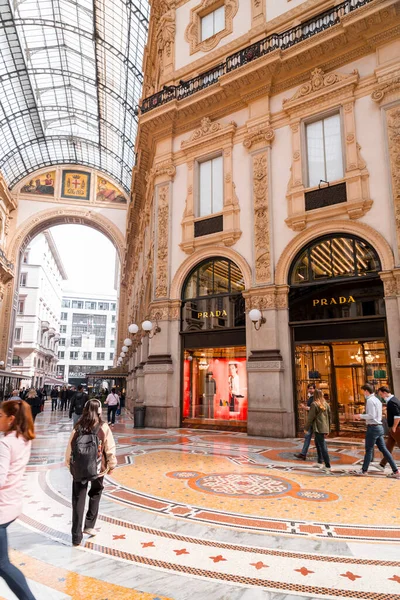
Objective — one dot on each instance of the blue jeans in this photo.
(322, 448)
(13, 577)
(306, 445)
(375, 436)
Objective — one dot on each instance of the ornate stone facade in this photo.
(162, 242)
(393, 125)
(193, 30)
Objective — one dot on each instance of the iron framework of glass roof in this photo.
(70, 81)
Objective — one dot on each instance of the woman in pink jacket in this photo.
(16, 424)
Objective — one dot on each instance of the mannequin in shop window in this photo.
(234, 387)
(210, 391)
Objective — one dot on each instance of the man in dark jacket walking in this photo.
(78, 401)
(54, 398)
(393, 421)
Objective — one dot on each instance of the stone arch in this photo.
(201, 255)
(39, 222)
(369, 234)
(45, 219)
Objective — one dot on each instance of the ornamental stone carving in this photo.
(263, 135)
(162, 242)
(318, 82)
(261, 218)
(207, 127)
(193, 30)
(385, 88)
(393, 125)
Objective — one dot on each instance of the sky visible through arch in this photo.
(88, 257)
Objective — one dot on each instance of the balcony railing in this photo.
(275, 41)
(3, 259)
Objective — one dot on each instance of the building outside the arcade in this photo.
(258, 185)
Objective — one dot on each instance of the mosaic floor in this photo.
(192, 514)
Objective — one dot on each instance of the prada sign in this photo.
(212, 313)
(329, 301)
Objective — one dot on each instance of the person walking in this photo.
(393, 421)
(34, 402)
(375, 433)
(15, 395)
(64, 397)
(16, 424)
(54, 398)
(319, 422)
(89, 465)
(311, 388)
(70, 392)
(112, 402)
(78, 401)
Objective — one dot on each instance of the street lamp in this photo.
(133, 328)
(149, 329)
(257, 318)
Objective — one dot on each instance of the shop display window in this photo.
(215, 384)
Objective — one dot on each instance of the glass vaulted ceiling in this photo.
(70, 79)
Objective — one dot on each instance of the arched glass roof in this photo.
(70, 79)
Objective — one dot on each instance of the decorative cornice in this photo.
(208, 131)
(320, 83)
(260, 136)
(381, 90)
(164, 168)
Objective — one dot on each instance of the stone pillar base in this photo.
(270, 422)
(165, 417)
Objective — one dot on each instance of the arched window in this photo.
(212, 296)
(334, 257)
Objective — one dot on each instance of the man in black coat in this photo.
(393, 420)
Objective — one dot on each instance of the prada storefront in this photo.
(338, 325)
(214, 377)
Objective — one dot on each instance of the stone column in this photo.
(269, 365)
(161, 369)
(391, 282)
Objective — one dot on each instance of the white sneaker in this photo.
(327, 470)
(379, 467)
(90, 531)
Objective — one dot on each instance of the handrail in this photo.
(275, 41)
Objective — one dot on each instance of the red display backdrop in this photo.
(218, 391)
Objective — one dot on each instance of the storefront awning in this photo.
(114, 373)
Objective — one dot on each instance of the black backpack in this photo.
(80, 401)
(86, 454)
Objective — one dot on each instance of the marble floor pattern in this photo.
(192, 514)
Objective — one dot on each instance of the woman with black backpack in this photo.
(90, 455)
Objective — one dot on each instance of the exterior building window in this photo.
(63, 329)
(87, 356)
(324, 150)
(211, 186)
(61, 342)
(74, 355)
(60, 370)
(17, 361)
(66, 303)
(21, 307)
(76, 341)
(111, 355)
(113, 319)
(100, 355)
(64, 316)
(90, 305)
(112, 343)
(61, 354)
(18, 334)
(212, 23)
(100, 342)
(112, 331)
(26, 258)
(113, 306)
(104, 306)
(77, 303)
(23, 279)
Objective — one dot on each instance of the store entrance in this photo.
(339, 369)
